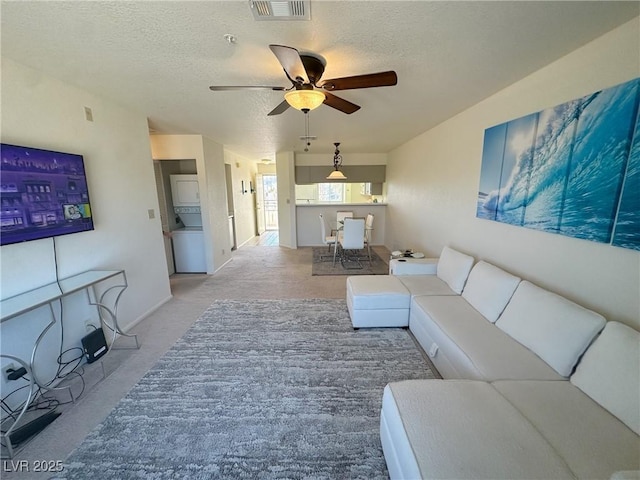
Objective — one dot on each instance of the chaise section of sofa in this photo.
(583, 428)
(461, 429)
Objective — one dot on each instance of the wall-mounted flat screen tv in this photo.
(42, 194)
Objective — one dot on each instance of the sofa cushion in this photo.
(593, 442)
(425, 285)
(556, 329)
(453, 268)
(609, 373)
(475, 347)
(489, 289)
(465, 429)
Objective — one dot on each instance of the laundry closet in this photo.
(188, 238)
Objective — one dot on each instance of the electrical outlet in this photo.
(6, 372)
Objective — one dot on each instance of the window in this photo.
(331, 192)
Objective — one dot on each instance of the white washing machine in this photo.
(188, 242)
(188, 250)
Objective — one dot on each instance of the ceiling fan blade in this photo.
(382, 79)
(279, 109)
(291, 62)
(221, 88)
(340, 103)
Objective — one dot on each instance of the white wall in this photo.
(243, 170)
(40, 111)
(285, 171)
(216, 191)
(433, 179)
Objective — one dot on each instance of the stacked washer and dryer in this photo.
(188, 241)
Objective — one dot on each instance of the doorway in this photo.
(230, 207)
(266, 202)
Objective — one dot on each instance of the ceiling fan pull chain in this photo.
(306, 131)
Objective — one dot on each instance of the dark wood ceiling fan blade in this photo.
(222, 88)
(291, 62)
(279, 109)
(340, 103)
(382, 79)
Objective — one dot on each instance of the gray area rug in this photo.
(257, 389)
(323, 264)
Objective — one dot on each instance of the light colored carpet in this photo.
(324, 266)
(256, 389)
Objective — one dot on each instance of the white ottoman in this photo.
(377, 301)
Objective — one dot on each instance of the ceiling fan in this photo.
(308, 91)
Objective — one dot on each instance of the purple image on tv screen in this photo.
(42, 194)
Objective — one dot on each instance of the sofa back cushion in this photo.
(554, 328)
(609, 373)
(453, 268)
(489, 289)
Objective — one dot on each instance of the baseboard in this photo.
(218, 269)
(149, 312)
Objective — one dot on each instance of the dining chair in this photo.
(328, 240)
(351, 237)
(340, 216)
(368, 234)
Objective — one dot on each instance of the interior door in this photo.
(164, 214)
(260, 223)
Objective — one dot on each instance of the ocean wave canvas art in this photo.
(573, 169)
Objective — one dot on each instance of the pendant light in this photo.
(337, 163)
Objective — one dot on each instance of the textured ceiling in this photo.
(159, 57)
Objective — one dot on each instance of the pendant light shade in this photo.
(304, 100)
(336, 175)
(337, 163)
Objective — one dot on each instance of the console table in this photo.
(106, 303)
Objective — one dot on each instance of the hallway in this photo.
(270, 238)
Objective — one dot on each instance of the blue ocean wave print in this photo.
(561, 170)
(627, 227)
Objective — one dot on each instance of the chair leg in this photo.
(322, 257)
(369, 252)
(335, 250)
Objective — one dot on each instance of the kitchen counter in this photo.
(308, 220)
(341, 204)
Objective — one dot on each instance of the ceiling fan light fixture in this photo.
(304, 100)
(337, 163)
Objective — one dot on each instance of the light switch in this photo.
(88, 114)
(151, 213)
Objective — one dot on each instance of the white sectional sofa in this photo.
(521, 398)
(584, 428)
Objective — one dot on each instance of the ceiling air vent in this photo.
(276, 10)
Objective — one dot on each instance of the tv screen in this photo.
(42, 194)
